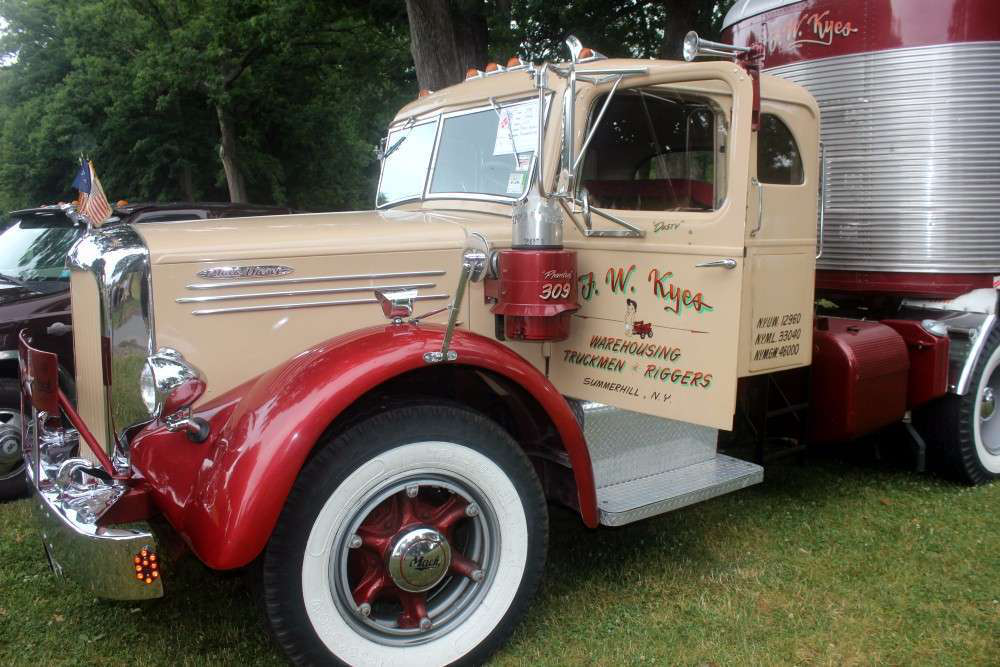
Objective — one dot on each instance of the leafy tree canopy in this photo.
(277, 101)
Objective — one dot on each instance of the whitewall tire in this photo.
(417, 537)
(964, 431)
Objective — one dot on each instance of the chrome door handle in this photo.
(723, 263)
(760, 205)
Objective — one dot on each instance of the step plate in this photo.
(625, 445)
(648, 496)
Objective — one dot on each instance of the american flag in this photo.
(92, 201)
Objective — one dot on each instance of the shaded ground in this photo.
(833, 563)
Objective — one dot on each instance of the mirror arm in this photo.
(597, 123)
(614, 218)
(630, 231)
(586, 231)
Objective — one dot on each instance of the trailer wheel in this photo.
(12, 481)
(966, 429)
(417, 537)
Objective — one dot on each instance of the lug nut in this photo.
(477, 575)
(425, 624)
(365, 609)
(355, 542)
(412, 491)
(472, 509)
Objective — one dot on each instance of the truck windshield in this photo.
(480, 152)
(404, 169)
(35, 252)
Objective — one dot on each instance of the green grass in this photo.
(828, 564)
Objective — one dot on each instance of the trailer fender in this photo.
(261, 440)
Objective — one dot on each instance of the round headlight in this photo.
(167, 383)
(147, 389)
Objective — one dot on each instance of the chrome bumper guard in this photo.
(70, 495)
(67, 502)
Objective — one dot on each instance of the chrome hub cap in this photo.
(419, 559)
(415, 559)
(987, 404)
(11, 463)
(988, 431)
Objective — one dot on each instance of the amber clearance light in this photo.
(147, 566)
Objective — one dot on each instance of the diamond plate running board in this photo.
(646, 465)
(656, 494)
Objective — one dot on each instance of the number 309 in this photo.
(555, 291)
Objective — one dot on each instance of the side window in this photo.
(656, 150)
(778, 159)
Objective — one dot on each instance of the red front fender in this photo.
(225, 496)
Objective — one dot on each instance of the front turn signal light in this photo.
(146, 566)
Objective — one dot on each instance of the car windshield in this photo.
(480, 152)
(35, 251)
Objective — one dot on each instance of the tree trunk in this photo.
(228, 155)
(471, 37)
(682, 16)
(186, 182)
(445, 42)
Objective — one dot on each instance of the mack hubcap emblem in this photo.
(419, 559)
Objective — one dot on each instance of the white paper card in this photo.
(515, 182)
(519, 121)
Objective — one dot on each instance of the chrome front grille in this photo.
(112, 331)
(912, 142)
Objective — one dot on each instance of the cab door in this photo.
(658, 327)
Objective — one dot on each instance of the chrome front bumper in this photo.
(68, 503)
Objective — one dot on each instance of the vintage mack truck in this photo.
(374, 408)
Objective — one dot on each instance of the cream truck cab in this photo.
(569, 268)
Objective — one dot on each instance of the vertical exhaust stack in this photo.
(535, 280)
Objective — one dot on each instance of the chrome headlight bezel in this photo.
(161, 376)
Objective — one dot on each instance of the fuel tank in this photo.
(859, 378)
(911, 128)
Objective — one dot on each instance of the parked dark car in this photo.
(34, 295)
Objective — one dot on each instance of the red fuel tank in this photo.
(535, 292)
(859, 378)
(928, 361)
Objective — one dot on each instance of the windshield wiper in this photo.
(399, 142)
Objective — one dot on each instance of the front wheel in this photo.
(417, 536)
